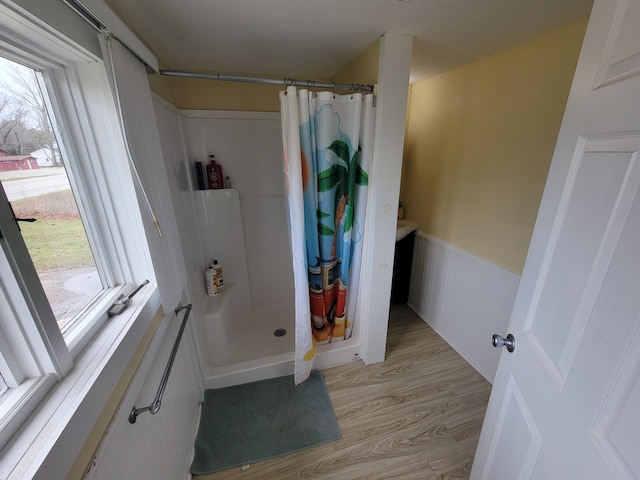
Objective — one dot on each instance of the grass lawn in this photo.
(57, 238)
(57, 244)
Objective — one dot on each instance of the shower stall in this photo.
(246, 332)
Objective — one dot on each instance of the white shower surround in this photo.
(248, 236)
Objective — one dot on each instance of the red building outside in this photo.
(17, 162)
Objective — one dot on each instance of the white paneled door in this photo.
(565, 403)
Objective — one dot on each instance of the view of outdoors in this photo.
(33, 176)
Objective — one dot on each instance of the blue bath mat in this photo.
(258, 421)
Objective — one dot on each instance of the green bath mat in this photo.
(258, 421)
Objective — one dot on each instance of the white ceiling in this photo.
(316, 38)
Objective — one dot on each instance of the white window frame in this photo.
(66, 375)
(78, 139)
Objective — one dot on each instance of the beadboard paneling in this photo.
(464, 298)
(161, 445)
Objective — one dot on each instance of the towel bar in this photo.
(155, 406)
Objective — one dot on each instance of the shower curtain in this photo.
(328, 141)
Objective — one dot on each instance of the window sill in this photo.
(51, 438)
(20, 401)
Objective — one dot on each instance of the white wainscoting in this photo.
(464, 298)
(161, 445)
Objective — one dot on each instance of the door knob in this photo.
(509, 342)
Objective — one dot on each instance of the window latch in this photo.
(18, 219)
(122, 302)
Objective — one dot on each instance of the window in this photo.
(40, 338)
(36, 184)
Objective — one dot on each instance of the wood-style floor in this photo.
(417, 415)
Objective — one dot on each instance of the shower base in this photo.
(255, 349)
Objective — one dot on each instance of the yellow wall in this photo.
(479, 143)
(199, 94)
(363, 69)
(162, 86)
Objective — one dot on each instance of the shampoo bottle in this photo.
(210, 279)
(219, 183)
(214, 174)
(218, 269)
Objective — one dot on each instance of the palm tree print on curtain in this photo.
(335, 138)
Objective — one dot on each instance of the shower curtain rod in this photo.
(352, 87)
